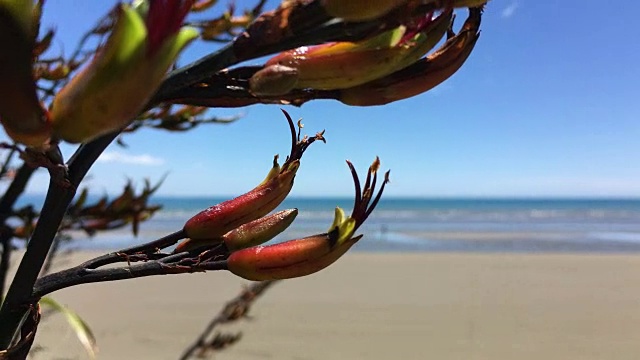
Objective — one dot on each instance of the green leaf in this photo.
(79, 326)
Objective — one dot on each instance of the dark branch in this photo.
(196, 71)
(57, 200)
(81, 275)
(145, 249)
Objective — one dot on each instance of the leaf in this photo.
(79, 326)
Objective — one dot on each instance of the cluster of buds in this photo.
(344, 65)
(126, 209)
(229, 221)
(253, 233)
(387, 67)
(424, 74)
(301, 257)
(386, 60)
(181, 118)
(226, 26)
(108, 94)
(237, 228)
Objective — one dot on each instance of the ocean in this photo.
(437, 225)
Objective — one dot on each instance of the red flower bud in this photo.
(250, 234)
(294, 258)
(422, 76)
(219, 219)
(305, 256)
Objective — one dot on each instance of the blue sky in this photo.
(547, 105)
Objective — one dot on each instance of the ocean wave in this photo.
(630, 237)
(455, 215)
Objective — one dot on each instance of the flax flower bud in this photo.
(219, 219)
(125, 72)
(346, 64)
(259, 231)
(421, 76)
(308, 255)
(21, 114)
(253, 233)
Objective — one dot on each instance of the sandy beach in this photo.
(378, 306)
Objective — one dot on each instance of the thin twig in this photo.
(234, 309)
(155, 263)
(81, 275)
(148, 248)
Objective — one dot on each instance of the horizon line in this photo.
(404, 197)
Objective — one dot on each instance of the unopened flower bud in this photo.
(290, 259)
(308, 255)
(224, 217)
(125, 72)
(345, 64)
(422, 76)
(259, 231)
(273, 80)
(253, 233)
